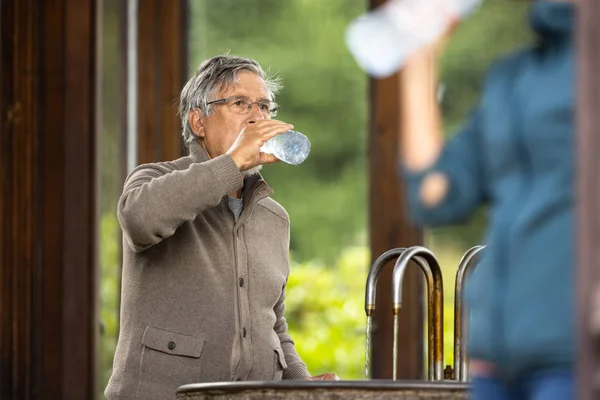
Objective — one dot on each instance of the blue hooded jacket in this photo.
(516, 154)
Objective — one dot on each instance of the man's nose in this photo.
(255, 113)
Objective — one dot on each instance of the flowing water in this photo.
(395, 346)
(368, 347)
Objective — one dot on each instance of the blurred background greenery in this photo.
(326, 96)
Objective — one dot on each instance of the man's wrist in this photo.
(228, 175)
(236, 160)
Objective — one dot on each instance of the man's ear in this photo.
(196, 121)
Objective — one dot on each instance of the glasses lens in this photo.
(240, 104)
(273, 108)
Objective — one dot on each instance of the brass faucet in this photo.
(435, 306)
(370, 295)
(468, 262)
(376, 268)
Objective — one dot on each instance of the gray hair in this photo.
(216, 73)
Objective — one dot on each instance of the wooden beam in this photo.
(48, 165)
(389, 227)
(588, 198)
(162, 69)
(18, 214)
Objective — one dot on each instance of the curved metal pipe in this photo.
(466, 265)
(370, 297)
(370, 293)
(435, 304)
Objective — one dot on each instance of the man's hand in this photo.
(330, 376)
(245, 151)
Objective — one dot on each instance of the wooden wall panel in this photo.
(49, 177)
(18, 214)
(48, 169)
(588, 199)
(162, 72)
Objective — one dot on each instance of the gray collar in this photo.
(197, 152)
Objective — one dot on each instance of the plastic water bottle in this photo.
(291, 147)
(384, 38)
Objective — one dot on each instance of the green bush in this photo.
(325, 313)
(110, 266)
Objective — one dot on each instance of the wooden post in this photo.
(162, 72)
(389, 227)
(588, 199)
(48, 203)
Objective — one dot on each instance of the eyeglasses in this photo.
(243, 105)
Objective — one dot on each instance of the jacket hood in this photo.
(552, 21)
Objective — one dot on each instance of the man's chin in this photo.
(252, 171)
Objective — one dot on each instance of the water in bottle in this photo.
(384, 38)
(291, 147)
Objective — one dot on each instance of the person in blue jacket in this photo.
(516, 154)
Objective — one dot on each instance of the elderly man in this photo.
(205, 249)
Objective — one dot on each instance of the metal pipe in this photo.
(466, 265)
(435, 304)
(370, 296)
(376, 268)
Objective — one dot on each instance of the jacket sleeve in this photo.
(156, 199)
(296, 368)
(461, 162)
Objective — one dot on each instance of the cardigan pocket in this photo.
(169, 358)
(279, 364)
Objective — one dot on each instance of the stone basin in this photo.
(336, 390)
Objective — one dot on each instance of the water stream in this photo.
(395, 346)
(368, 349)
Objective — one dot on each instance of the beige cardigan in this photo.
(202, 296)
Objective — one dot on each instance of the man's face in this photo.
(221, 128)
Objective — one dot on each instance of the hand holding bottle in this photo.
(246, 150)
(269, 141)
(381, 41)
(291, 147)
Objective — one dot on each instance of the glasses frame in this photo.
(227, 100)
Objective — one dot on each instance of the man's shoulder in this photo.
(275, 208)
(164, 167)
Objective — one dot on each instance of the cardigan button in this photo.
(171, 346)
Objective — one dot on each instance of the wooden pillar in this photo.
(588, 199)
(389, 227)
(48, 204)
(162, 72)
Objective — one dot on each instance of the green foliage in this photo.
(112, 107)
(110, 262)
(325, 313)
